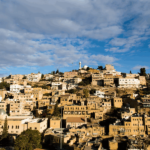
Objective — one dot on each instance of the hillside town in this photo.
(84, 109)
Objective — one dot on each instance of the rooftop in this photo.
(76, 119)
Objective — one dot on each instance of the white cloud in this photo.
(104, 59)
(117, 50)
(125, 45)
(93, 19)
(51, 32)
(139, 67)
(118, 42)
(21, 50)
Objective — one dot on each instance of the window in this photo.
(12, 127)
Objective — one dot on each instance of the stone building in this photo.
(75, 111)
(117, 102)
(18, 124)
(75, 122)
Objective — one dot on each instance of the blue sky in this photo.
(45, 35)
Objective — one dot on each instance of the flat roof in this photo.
(75, 119)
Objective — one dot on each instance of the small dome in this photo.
(2, 112)
(85, 66)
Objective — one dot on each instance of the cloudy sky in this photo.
(45, 35)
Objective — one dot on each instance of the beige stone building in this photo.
(17, 76)
(69, 99)
(37, 92)
(34, 77)
(133, 126)
(108, 80)
(106, 104)
(128, 83)
(3, 93)
(117, 102)
(94, 131)
(43, 103)
(10, 81)
(75, 122)
(113, 145)
(75, 111)
(109, 67)
(18, 124)
(142, 80)
(97, 79)
(55, 122)
(20, 107)
(130, 75)
(16, 81)
(24, 97)
(70, 74)
(127, 113)
(48, 76)
(50, 108)
(3, 105)
(65, 100)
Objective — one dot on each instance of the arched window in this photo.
(12, 127)
(16, 127)
(2, 127)
(8, 127)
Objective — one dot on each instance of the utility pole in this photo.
(138, 136)
(61, 130)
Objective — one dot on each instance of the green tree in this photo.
(72, 91)
(88, 68)
(57, 71)
(42, 76)
(82, 83)
(142, 72)
(86, 93)
(24, 77)
(56, 110)
(28, 140)
(130, 72)
(100, 68)
(92, 91)
(61, 73)
(36, 113)
(5, 130)
(4, 85)
(53, 72)
(85, 81)
(8, 77)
